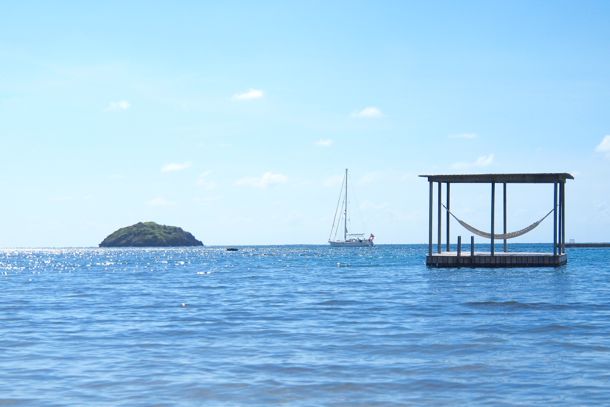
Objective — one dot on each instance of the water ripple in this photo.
(298, 325)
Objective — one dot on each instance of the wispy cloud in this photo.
(173, 167)
(204, 182)
(266, 180)
(160, 201)
(118, 106)
(604, 146)
(250, 94)
(369, 112)
(325, 142)
(464, 136)
(482, 161)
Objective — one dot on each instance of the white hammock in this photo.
(501, 236)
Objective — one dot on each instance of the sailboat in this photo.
(349, 239)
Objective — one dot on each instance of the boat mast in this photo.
(345, 210)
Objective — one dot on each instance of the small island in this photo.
(150, 234)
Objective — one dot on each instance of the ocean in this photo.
(299, 326)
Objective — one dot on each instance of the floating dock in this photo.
(437, 257)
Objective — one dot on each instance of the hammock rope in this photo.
(501, 236)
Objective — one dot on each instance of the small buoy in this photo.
(184, 305)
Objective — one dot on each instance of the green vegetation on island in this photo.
(150, 234)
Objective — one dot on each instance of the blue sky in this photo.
(236, 120)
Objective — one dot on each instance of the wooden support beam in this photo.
(555, 219)
(558, 218)
(430, 197)
(448, 217)
(440, 199)
(493, 215)
(563, 217)
(504, 215)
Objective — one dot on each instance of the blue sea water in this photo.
(299, 326)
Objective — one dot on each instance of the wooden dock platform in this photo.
(485, 259)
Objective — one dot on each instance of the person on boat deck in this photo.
(371, 237)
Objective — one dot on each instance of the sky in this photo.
(236, 120)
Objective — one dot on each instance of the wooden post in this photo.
(448, 219)
(431, 196)
(504, 210)
(559, 209)
(493, 215)
(555, 219)
(439, 237)
(459, 246)
(471, 245)
(563, 217)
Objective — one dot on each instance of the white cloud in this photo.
(250, 94)
(604, 146)
(204, 182)
(160, 201)
(482, 161)
(369, 112)
(173, 167)
(325, 142)
(118, 106)
(264, 181)
(464, 136)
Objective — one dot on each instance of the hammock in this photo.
(501, 236)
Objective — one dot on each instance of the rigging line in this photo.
(336, 210)
(361, 221)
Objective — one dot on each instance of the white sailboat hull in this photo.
(351, 243)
